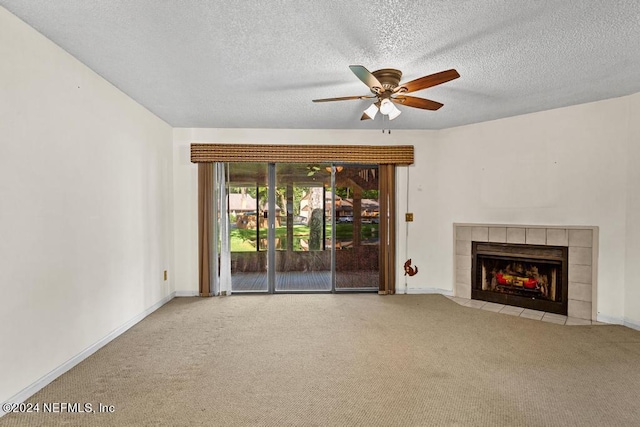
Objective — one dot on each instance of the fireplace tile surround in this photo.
(582, 242)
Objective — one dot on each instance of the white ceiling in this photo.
(259, 63)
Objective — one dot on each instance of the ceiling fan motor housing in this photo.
(389, 78)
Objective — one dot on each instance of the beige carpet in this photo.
(356, 359)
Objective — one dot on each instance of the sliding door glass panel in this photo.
(303, 227)
(246, 187)
(357, 221)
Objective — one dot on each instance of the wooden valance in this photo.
(367, 154)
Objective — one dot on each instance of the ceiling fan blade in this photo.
(367, 78)
(365, 116)
(412, 101)
(427, 81)
(344, 98)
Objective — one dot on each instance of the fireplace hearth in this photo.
(529, 276)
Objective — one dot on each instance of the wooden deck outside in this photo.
(311, 281)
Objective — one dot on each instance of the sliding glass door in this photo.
(247, 185)
(304, 212)
(299, 227)
(357, 224)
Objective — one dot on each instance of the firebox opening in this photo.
(528, 276)
(525, 278)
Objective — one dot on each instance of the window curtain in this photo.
(224, 278)
(205, 228)
(214, 255)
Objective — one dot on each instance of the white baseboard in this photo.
(633, 324)
(402, 290)
(187, 293)
(48, 378)
(610, 319)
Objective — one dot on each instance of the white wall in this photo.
(557, 167)
(85, 207)
(632, 290)
(186, 180)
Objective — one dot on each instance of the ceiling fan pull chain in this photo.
(388, 130)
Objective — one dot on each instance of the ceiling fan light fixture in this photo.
(394, 112)
(371, 111)
(386, 107)
(385, 85)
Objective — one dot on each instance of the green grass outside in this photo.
(244, 240)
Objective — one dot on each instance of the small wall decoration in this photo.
(410, 270)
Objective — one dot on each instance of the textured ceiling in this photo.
(259, 63)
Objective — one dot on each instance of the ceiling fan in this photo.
(387, 90)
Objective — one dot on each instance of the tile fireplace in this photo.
(545, 268)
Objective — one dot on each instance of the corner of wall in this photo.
(632, 225)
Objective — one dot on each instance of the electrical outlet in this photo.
(165, 275)
(408, 217)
